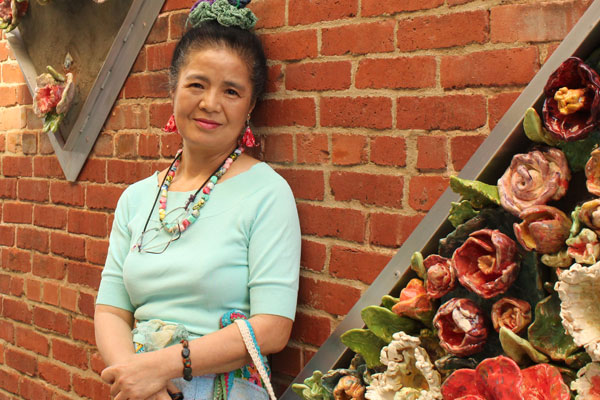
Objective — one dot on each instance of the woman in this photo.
(219, 233)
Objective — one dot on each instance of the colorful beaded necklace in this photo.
(206, 188)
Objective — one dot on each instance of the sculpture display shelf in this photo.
(500, 243)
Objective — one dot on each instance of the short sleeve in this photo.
(112, 290)
(274, 254)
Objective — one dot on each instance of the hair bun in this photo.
(225, 12)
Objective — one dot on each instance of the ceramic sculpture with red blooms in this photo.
(11, 12)
(53, 97)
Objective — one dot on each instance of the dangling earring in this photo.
(170, 127)
(248, 138)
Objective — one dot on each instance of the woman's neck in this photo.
(196, 167)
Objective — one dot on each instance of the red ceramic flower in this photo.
(511, 313)
(460, 326)
(52, 95)
(544, 229)
(572, 106)
(414, 301)
(534, 179)
(486, 263)
(500, 378)
(441, 277)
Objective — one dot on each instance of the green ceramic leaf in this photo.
(578, 152)
(312, 388)
(384, 323)
(519, 349)
(450, 363)
(431, 343)
(547, 334)
(52, 121)
(416, 264)
(529, 284)
(576, 225)
(478, 193)
(388, 301)
(578, 360)
(461, 212)
(365, 343)
(532, 125)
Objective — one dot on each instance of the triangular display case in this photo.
(112, 33)
(487, 164)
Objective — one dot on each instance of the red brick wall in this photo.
(371, 106)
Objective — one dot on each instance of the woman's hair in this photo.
(211, 34)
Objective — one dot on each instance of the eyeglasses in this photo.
(157, 236)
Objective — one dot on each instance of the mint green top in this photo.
(242, 253)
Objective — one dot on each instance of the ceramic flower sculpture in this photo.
(349, 388)
(584, 247)
(11, 12)
(592, 173)
(513, 314)
(414, 302)
(579, 292)
(572, 106)
(500, 378)
(461, 327)
(544, 229)
(441, 277)
(590, 214)
(486, 263)
(587, 384)
(53, 97)
(533, 179)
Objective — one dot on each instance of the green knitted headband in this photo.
(223, 12)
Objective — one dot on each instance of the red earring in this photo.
(170, 126)
(248, 138)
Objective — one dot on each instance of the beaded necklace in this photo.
(206, 189)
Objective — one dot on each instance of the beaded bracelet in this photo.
(187, 362)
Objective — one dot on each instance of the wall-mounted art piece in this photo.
(495, 295)
(75, 56)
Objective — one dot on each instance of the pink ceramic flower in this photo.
(534, 179)
(544, 229)
(511, 313)
(461, 327)
(592, 173)
(441, 277)
(414, 301)
(486, 263)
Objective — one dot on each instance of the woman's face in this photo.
(212, 99)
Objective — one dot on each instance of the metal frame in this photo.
(487, 164)
(73, 153)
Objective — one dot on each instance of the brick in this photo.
(377, 7)
(462, 148)
(11, 73)
(7, 332)
(34, 390)
(4, 51)
(274, 79)
(159, 56)
(91, 388)
(16, 260)
(9, 381)
(17, 310)
(31, 340)
(349, 263)
(169, 145)
(506, 67)
(127, 116)
(47, 167)
(313, 255)
(305, 184)
(104, 146)
(55, 375)
(391, 230)
(539, 22)
(341, 223)
(286, 112)
(29, 143)
(17, 285)
(33, 190)
(49, 267)
(8, 96)
(449, 112)
(431, 153)
(95, 251)
(50, 216)
(448, 30)
(14, 142)
(311, 329)
(388, 150)
(126, 145)
(296, 45)
(51, 293)
(160, 30)
(377, 37)
(7, 236)
(34, 289)
(72, 194)
(425, 190)
(24, 98)
(139, 65)
(288, 361)
(148, 146)
(84, 330)
(8, 188)
(84, 274)
(97, 363)
(409, 73)
(21, 361)
(52, 320)
(278, 148)
(349, 149)
(177, 24)
(312, 148)
(127, 171)
(152, 84)
(498, 105)
(67, 245)
(13, 118)
(103, 197)
(87, 222)
(68, 299)
(17, 166)
(318, 76)
(365, 112)
(331, 297)
(311, 11)
(270, 13)
(175, 5)
(380, 190)
(93, 171)
(86, 304)
(2, 142)
(35, 239)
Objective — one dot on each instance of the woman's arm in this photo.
(220, 351)
(113, 333)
